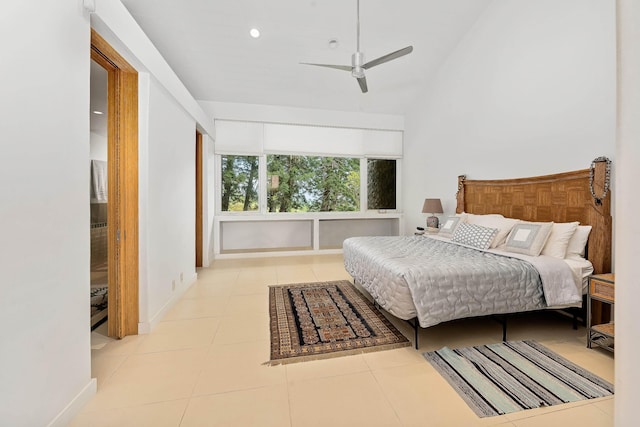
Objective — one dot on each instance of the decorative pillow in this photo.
(558, 241)
(449, 225)
(474, 235)
(504, 225)
(528, 237)
(578, 241)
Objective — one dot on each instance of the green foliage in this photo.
(307, 183)
(239, 183)
(334, 185)
(312, 184)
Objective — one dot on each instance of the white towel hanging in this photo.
(98, 181)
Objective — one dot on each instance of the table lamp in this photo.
(432, 206)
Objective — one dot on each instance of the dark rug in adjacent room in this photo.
(312, 321)
(506, 377)
(99, 304)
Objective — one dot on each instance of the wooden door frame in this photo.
(199, 214)
(122, 176)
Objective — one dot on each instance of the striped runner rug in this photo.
(506, 377)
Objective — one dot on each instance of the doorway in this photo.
(199, 209)
(98, 149)
(122, 188)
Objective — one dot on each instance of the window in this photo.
(312, 184)
(381, 184)
(288, 168)
(239, 183)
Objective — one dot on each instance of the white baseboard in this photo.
(73, 408)
(148, 326)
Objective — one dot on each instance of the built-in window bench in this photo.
(238, 236)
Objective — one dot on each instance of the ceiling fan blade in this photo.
(362, 81)
(386, 58)
(337, 67)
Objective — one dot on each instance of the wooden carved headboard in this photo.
(562, 197)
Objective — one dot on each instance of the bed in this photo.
(463, 272)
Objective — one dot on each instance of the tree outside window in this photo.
(312, 184)
(306, 183)
(239, 183)
(381, 184)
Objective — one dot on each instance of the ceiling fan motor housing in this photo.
(357, 60)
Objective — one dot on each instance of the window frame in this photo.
(262, 188)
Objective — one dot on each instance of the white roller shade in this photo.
(312, 140)
(238, 137)
(257, 138)
(382, 143)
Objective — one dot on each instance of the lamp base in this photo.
(433, 222)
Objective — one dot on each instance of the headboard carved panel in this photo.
(562, 197)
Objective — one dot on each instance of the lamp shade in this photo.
(432, 206)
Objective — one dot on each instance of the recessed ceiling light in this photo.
(333, 43)
(255, 33)
(97, 112)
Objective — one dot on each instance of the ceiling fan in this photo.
(358, 65)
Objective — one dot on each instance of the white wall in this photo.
(208, 199)
(45, 363)
(530, 90)
(170, 216)
(111, 19)
(168, 116)
(45, 360)
(627, 228)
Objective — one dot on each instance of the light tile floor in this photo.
(203, 365)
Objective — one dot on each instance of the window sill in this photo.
(297, 233)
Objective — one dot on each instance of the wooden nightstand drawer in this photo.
(600, 302)
(603, 290)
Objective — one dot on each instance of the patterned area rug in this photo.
(99, 303)
(326, 319)
(507, 377)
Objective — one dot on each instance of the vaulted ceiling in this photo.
(207, 44)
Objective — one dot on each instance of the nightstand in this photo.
(600, 329)
(426, 231)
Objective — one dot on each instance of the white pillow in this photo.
(474, 235)
(578, 241)
(528, 237)
(502, 224)
(558, 241)
(449, 225)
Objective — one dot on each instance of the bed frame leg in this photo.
(504, 327)
(415, 325)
